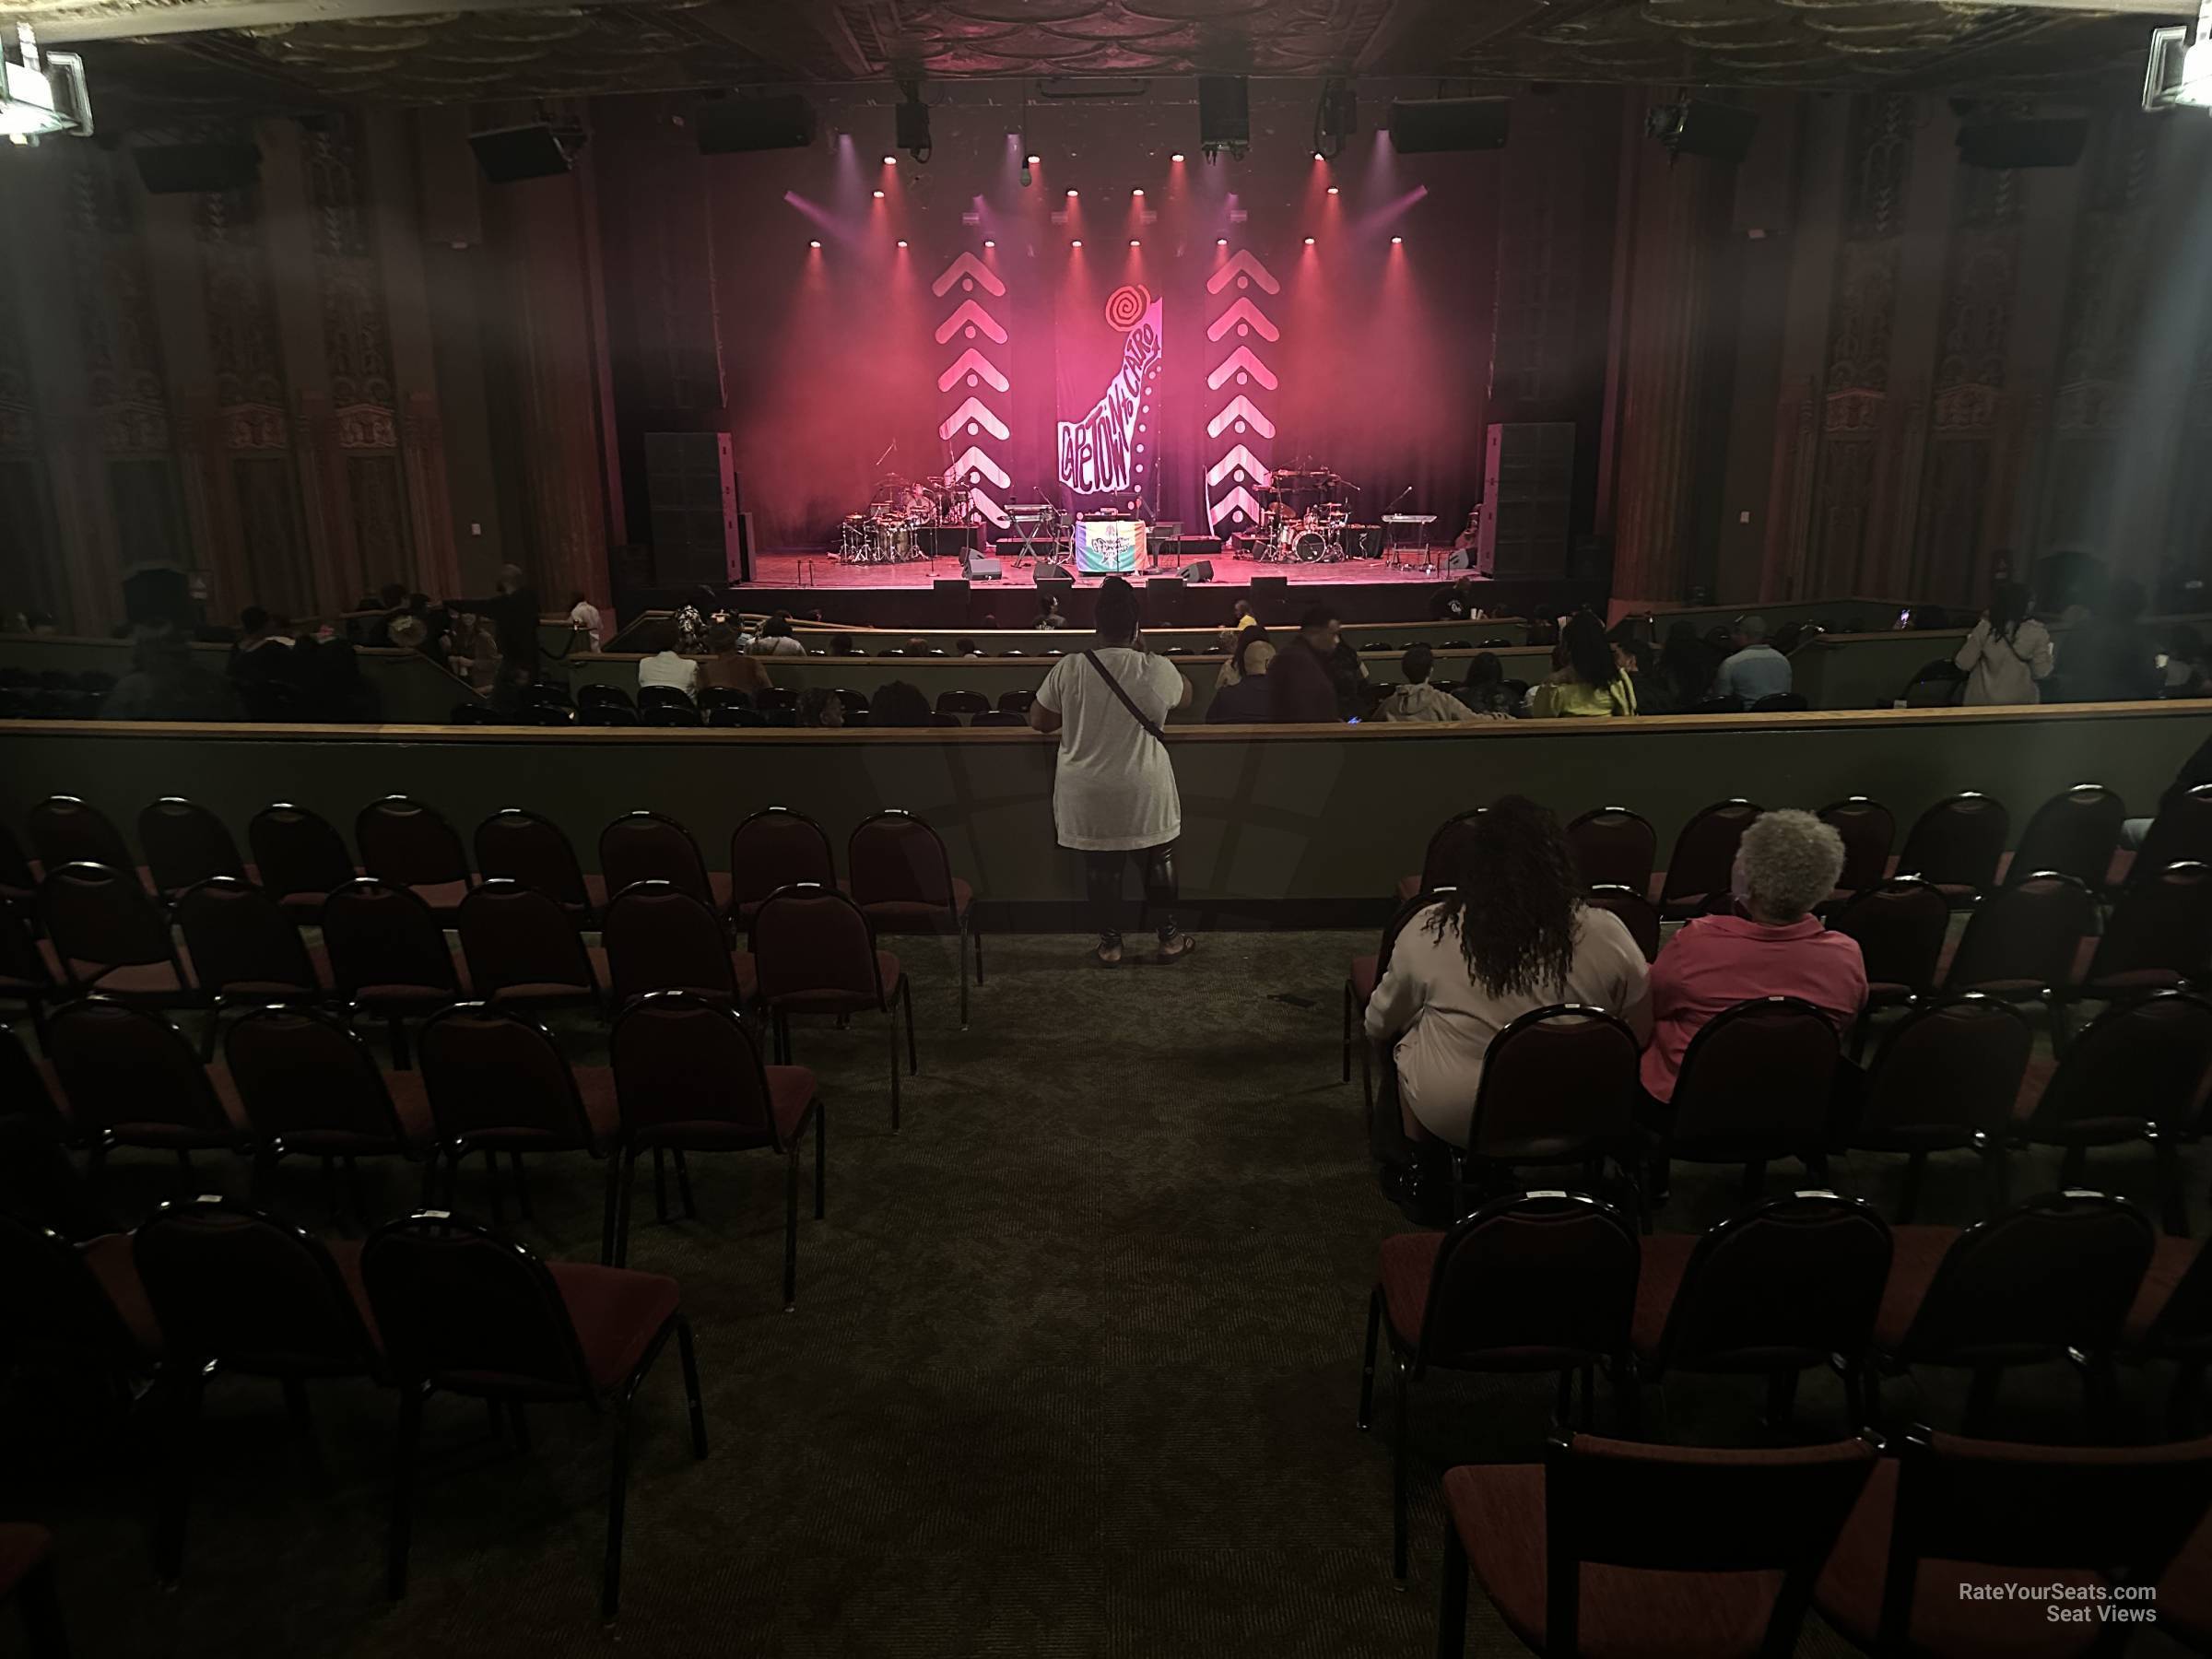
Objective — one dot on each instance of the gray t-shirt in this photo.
(1752, 672)
(1114, 789)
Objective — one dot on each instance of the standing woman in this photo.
(1113, 791)
(2007, 652)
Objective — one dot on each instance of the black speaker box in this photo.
(982, 567)
(1458, 560)
(1224, 109)
(188, 168)
(1421, 124)
(2055, 142)
(1201, 569)
(509, 155)
(733, 125)
(1048, 571)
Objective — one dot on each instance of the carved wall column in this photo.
(36, 578)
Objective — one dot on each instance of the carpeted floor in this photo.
(1073, 1373)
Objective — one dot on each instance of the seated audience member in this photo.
(966, 648)
(669, 668)
(1787, 863)
(1243, 616)
(2110, 658)
(1248, 700)
(2184, 666)
(1454, 604)
(1515, 935)
(583, 616)
(1048, 615)
(1590, 682)
(692, 621)
(164, 683)
(1632, 655)
(819, 706)
(1684, 674)
(2007, 653)
(1415, 699)
(508, 693)
(729, 666)
(776, 638)
(1756, 669)
(480, 666)
(1300, 689)
(1484, 692)
(900, 703)
(841, 645)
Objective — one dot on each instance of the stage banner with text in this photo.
(1104, 449)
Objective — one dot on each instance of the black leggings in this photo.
(1102, 885)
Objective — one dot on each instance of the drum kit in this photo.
(1307, 516)
(897, 508)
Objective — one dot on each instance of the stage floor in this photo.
(822, 571)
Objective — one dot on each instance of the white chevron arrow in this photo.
(975, 461)
(969, 314)
(1241, 264)
(972, 361)
(1239, 407)
(974, 410)
(988, 508)
(1240, 457)
(1244, 311)
(1237, 499)
(967, 264)
(1242, 360)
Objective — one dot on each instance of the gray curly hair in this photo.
(1790, 861)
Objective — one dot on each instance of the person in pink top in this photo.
(1774, 946)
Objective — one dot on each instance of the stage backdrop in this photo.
(1127, 326)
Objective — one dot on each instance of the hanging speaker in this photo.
(509, 155)
(735, 125)
(1224, 109)
(1419, 125)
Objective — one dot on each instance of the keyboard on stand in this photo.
(1404, 533)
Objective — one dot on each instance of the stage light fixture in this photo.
(1138, 191)
(989, 243)
(1135, 243)
(1309, 241)
(890, 160)
(1032, 160)
(2179, 75)
(1077, 243)
(1396, 241)
(1319, 157)
(41, 96)
(902, 241)
(814, 244)
(1335, 118)
(1071, 195)
(1176, 157)
(1220, 241)
(878, 195)
(1334, 191)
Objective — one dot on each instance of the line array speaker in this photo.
(1422, 124)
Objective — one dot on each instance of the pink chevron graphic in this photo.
(1248, 314)
(974, 270)
(1237, 504)
(1239, 460)
(972, 361)
(1240, 409)
(1241, 264)
(1241, 361)
(971, 316)
(971, 415)
(971, 464)
(989, 509)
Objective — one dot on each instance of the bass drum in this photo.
(1310, 548)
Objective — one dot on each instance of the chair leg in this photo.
(622, 1187)
(975, 936)
(821, 1135)
(660, 1185)
(606, 1217)
(303, 1424)
(964, 973)
(183, 1416)
(791, 1226)
(403, 1481)
(1367, 1360)
(689, 1354)
(1347, 1045)
(1452, 1598)
(617, 1485)
(891, 1025)
(906, 1000)
(522, 1187)
(1399, 1437)
(683, 1185)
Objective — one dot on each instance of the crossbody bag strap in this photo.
(1128, 702)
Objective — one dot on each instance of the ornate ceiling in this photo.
(286, 51)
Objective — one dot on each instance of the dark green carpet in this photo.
(1073, 1373)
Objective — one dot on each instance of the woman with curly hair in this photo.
(1591, 681)
(1512, 936)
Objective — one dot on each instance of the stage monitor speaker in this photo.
(1722, 132)
(190, 169)
(1528, 486)
(509, 155)
(1458, 563)
(691, 493)
(1224, 109)
(1198, 570)
(732, 126)
(1047, 570)
(2052, 142)
(949, 585)
(982, 567)
(1421, 124)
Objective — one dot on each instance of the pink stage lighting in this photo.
(890, 160)
(1309, 243)
(1333, 189)
(1396, 241)
(1135, 243)
(880, 196)
(1071, 195)
(1077, 243)
(1138, 191)
(989, 243)
(1033, 161)
(1176, 157)
(903, 241)
(814, 244)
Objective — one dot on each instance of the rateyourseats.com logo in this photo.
(2075, 1604)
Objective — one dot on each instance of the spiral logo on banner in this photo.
(1126, 307)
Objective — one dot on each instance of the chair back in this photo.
(963, 703)
(65, 830)
(2181, 833)
(1703, 861)
(2137, 1063)
(1606, 1503)
(2160, 931)
(513, 934)
(17, 882)
(1557, 1085)
(607, 714)
(133, 1077)
(186, 844)
(2182, 1328)
(1614, 847)
(1639, 915)
(777, 848)
(648, 846)
(1755, 1082)
(298, 853)
(810, 941)
(409, 843)
(242, 942)
(1900, 924)
(1781, 1286)
(515, 845)
(236, 1285)
(23, 968)
(23, 1092)
(1956, 843)
(670, 715)
(100, 918)
(689, 1073)
(895, 858)
(464, 1311)
(494, 1074)
(663, 696)
(1539, 1281)
(2075, 833)
(309, 1084)
(2055, 1272)
(1439, 863)
(382, 936)
(1869, 829)
(659, 937)
(1945, 1073)
(53, 1309)
(2022, 937)
(602, 696)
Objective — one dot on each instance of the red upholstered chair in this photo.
(2075, 833)
(130, 1079)
(186, 844)
(648, 846)
(1578, 1554)
(1945, 1079)
(2051, 1277)
(1947, 1518)
(658, 937)
(300, 856)
(1868, 829)
(19, 877)
(108, 935)
(1700, 869)
(2172, 1321)
(2157, 937)
(1556, 1091)
(689, 1077)
(28, 972)
(521, 946)
(816, 954)
(1901, 925)
(1955, 845)
(2182, 833)
(388, 955)
(1614, 847)
(65, 830)
(74, 1308)
(516, 846)
(27, 1579)
(497, 1081)
(1366, 974)
(2022, 940)
(409, 844)
(1638, 913)
(1439, 863)
(1789, 1284)
(776, 848)
(461, 1312)
(901, 879)
(245, 951)
(236, 1290)
(1536, 1282)
(1755, 1086)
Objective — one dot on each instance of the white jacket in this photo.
(1999, 670)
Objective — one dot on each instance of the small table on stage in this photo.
(1107, 546)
